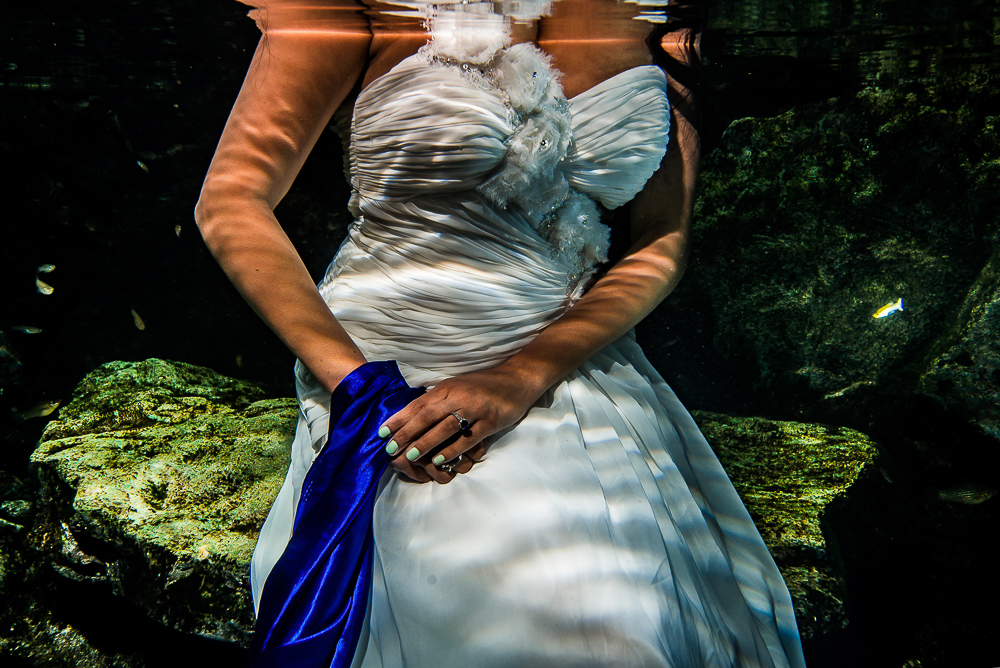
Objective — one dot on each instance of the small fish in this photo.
(46, 269)
(970, 493)
(44, 287)
(139, 324)
(27, 330)
(889, 309)
(142, 166)
(41, 409)
(177, 231)
(239, 361)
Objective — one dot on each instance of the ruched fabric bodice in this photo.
(506, 261)
(425, 129)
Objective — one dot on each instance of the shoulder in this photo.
(395, 36)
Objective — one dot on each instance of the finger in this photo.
(477, 452)
(464, 464)
(443, 433)
(426, 429)
(401, 417)
(468, 443)
(408, 470)
(439, 475)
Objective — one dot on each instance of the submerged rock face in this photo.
(806, 225)
(788, 474)
(156, 479)
(158, 475)
(965, 376)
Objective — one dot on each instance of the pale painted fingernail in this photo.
(439, 460)
(412, 454)
(383, 432)
(391, 447)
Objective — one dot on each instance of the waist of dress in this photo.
(444, 290)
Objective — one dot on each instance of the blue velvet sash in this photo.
(314, 601)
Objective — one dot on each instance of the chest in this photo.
(588, 41)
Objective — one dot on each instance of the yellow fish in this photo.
(46, 269)
(889, 309)
(44, 287)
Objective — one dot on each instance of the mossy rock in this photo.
(157, 489)
(788, 474)
(157, 478)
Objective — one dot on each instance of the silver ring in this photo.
(450, 466)
(463, 424)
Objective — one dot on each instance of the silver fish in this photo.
(46, 269)
(27, 329)
(970, 493)
(41, 409)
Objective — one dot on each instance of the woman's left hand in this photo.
(427, 435)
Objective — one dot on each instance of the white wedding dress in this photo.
(601, 530)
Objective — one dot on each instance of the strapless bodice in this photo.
(427, 127)
(475, 196)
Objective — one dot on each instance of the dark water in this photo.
(110, 114)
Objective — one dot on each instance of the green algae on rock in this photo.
(788, 474)
(156, 478)
(158, 475)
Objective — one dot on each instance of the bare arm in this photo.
(630, 290)
(300, 74)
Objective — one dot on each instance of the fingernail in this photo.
(412, 454)
(439, 460)
(391, 447)
(383, 432)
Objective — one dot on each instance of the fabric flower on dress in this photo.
(528, 173)
(527, 76)
(529, 176)
(576, 231)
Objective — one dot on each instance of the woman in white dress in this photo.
(555, 504)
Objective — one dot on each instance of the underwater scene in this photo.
(836, 335)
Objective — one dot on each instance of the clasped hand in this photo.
(426, 435)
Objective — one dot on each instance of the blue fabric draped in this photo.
(314, 601)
